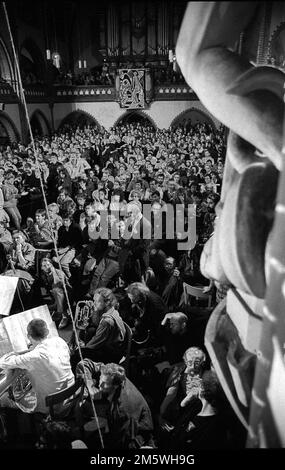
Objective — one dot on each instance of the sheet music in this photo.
(8, 285)
(15, 327)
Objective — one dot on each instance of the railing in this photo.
(89, 93)
(7, 94)
(84, 93)
(174, 92)
(36, 93)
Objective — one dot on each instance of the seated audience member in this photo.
(87, 215)
(64, 185)
(63, 200)
(39, 232)
(126, 413)
(183, 384)
(177, 337)
(32, 185)
(94, 245)
(53, 280)
(47, 366)
(117, 200)
(107, 341)
(169, 284)
(21, 253)
(189, 266)
(21, 263)
(101, 202)
(207, 428)
(54, 217)
(69, 242)
(80, 207)
(109, 264)
(210, 215)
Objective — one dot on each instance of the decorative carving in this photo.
(247, 249)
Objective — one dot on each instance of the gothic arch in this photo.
(9, 127)
(37, 61)
(138, 113)
(76, 116)
(41, 122)
(6, 64)
(197, 114)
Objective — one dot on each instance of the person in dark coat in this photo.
(127, 417)
(148, 311)
(134, 256)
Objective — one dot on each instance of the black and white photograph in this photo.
(142, 231)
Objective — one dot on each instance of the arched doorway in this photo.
(78, 119)
(39, 124)
(192, 116)
(8, 130)
(133, 117)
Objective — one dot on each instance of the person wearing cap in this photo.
(47, 364)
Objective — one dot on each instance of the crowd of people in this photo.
(109, 194)
(86, 77)
(106, 75)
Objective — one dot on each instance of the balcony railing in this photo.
(174, 92)
(7, 94)
(36, 93)
(84, 93)
(89, 93)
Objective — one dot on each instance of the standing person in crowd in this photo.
(134, 256)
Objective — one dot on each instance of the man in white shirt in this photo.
(47, 365)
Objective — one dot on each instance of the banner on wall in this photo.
(132, 88)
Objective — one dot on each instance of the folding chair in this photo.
(197, 293)
(73, 393)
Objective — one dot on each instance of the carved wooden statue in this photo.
(249, 101)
